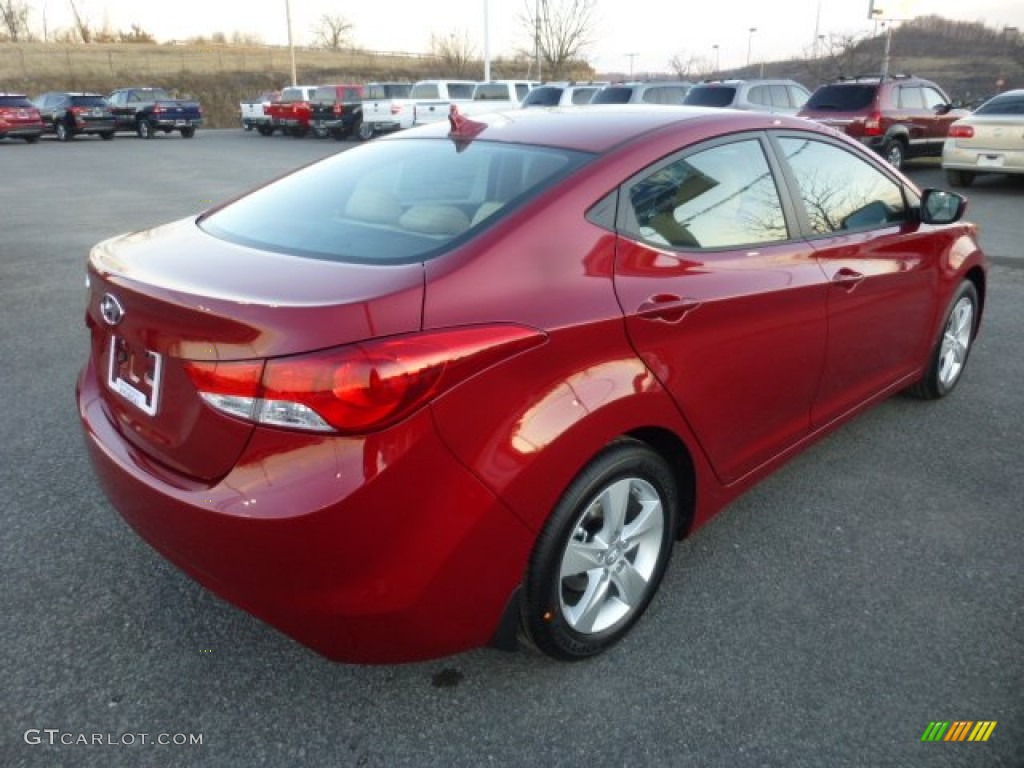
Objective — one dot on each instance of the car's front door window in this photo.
(842, 192)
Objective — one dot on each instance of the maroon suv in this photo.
(899, 116)
(19, 118)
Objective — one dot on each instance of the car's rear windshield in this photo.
(14, 101)
(391, 202)
(544, 96)
(612, 95)
(1006, 104)
(846, 97)
(710, 95)
(88, 101)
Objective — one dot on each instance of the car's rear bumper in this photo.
(21, 132)
(980, 160)
(378, 549)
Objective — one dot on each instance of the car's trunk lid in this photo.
(163, 297)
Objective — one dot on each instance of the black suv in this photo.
(69, 114)
(899, 116)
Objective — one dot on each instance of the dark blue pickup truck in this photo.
(148, 110)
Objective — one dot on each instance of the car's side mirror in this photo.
(939, 206)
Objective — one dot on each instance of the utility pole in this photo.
(291, 46)
(631, 57)
(487, 46)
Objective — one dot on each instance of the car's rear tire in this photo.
(320, 132)
(601, 555)
(364, 131)
(107, 135)
(30, 139)
(949, 356)
(894, 153)
(62, 131)
(144, 129)
(265, 130)
(188, 133)
(959, 178)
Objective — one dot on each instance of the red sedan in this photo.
(471, 382)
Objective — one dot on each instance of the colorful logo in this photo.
(959, 730)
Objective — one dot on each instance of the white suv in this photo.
(560, 95)
(654, 92)
(782, 96)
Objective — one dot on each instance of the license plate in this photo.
(181, 122)
(990, 161)
(135, 375)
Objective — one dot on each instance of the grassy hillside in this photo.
(967, 59)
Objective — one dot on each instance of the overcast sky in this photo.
(653, 30)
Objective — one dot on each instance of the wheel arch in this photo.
(674, 451)
(977, 276)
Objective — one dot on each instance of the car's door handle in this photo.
(847, 278)
(667, 307)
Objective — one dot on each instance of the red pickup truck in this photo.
(291, 112)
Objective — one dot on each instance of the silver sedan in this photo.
(989, 140)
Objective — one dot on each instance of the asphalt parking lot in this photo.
(872, 586)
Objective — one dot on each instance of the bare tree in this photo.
(843, 55)
(135, 34)
(14, 17)
(332, 32)
(690, 67)
(82, 28)
(561, 31)
(455, 52)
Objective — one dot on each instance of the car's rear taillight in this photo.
(358, 388)
(873, 124)
(396, 108)
(961, 131)
(337, 109)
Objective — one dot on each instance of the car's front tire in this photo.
(144, 129)
(949, 356)
(602, 554)
(61, 129)
(365, 131)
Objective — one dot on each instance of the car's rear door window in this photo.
(721, 197)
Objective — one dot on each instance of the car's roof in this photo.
(597, 128)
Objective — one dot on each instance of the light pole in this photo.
(715, 47)
(291, 47)
(750, 42)
(631, 57)
(487, 46)
(536, 38)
